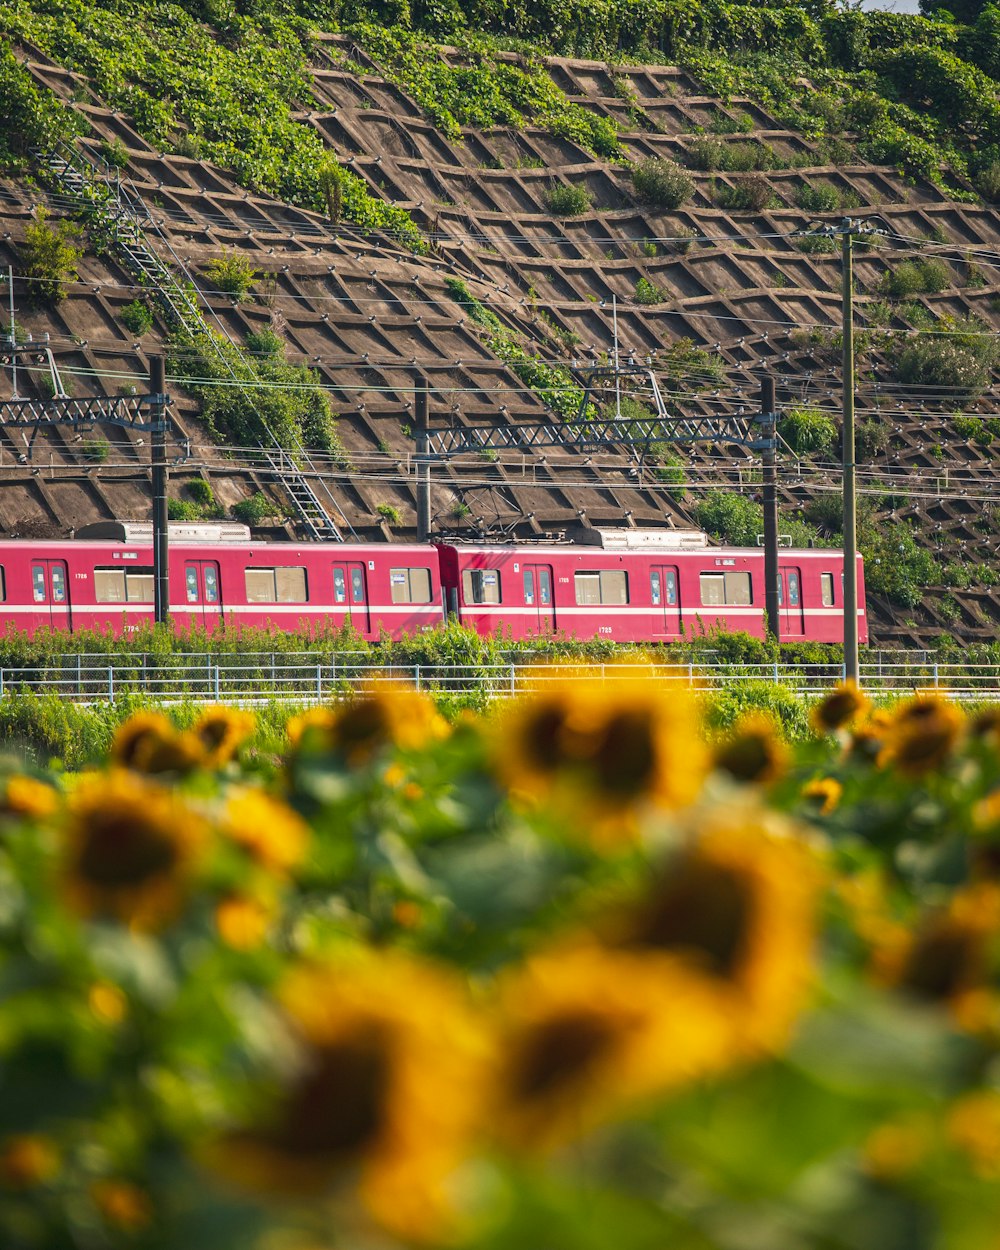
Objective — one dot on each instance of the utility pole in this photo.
(847, 230)
(158, 456)
(423, 461)
(768, 449)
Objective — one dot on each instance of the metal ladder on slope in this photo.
(126, 216)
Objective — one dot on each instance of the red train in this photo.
(629, 586)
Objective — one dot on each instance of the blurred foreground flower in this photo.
(25, 796)
(752, 752)
(129, 848)
(27, 1160)
(921, 735)
(221, 732)
(738, 902)
(148, 743)
(383, 1089)
(584, 1032)
(603, 748)
(384, 717)
(266, 829)
(841, 707)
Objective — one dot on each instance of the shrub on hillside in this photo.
(923, 275)
(566, 201)
(662, 184)
(647, 292)
(988, 182)
(255, 510)
(735, 519)
(752, 195)
(808, 431)
(137, 317)
(232, 273)
(49, 257)
(960, 358)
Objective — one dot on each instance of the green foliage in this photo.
(959, 358)
(816, 244)
(254, 510)
(808, 431)
(137, 317)
(712, 154)
(752, 194)
(817, 199)
(97, 450)
(152, 61)
(389, 513)
(734, 519)
(647, 292)
(566, 201)
(232, 273)
(32, 116)
(183, 510)
(661, 183)
(49, 257)
(485, 90)
(201, 492)
(251, 401)
(923, 275)
(553, 384)
(988, 182)
(115, 153)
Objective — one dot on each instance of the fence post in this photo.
(319, 681)
(513, 679)
(3, 690)
(936, 681)
(111, 684)
(776, 678)
(416, 675)
(218, 692)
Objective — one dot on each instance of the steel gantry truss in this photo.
(586, 432)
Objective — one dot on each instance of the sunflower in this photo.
(973, 1125)
(868, 737)
(921, 735)
(383, 1092)
(369, 724)
(946, 959)
(28, 797)
(584, 1031)
(243, 921)
(129, 848)
(738, 903)
(122, 1204)
(148, 743)
(221, 732)
(28, 1160)
(604, 748)
(843, 705)
(269, 831)
(754, 752)
(823, 794)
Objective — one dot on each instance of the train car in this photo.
(104, 580)
(644, 586)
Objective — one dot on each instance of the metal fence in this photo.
(307, 677)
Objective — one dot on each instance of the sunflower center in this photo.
(119, 849)
(747, 758)
(558, 1051)
(626, 757)
(942, 964)
(543, 735)
(704, 908)
(339, 1105)
(213, 733)
(363, 726)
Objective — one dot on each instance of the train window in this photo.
(607, 586)
(211, 584)
(38, 583)
(826, 588)
(109, 585)
(738, 589)
(481, 585)
(357, 586)
(654, 583)
(545, 586)
(719, 589)
(58, 584)
(281, 585)
(410, 585)
(529, 588)
(713, 589)
(123, 585)
(793, 589)
(339, 586)
(3, 585)
(670, 578)
(191, 583)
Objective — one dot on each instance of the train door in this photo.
(538, 595)
(790, 594)
(50, 592)
(664, 593)
(203, 592)
(350, 593)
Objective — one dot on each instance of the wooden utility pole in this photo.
(850, 468)
(423, 462)
(158, 456)
(769, 445)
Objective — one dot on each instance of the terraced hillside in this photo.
(498, 286)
